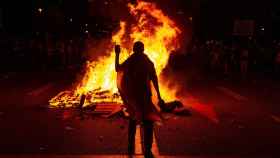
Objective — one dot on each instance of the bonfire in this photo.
(160, 36)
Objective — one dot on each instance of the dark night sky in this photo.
(215, 15)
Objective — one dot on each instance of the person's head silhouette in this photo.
(138, 47)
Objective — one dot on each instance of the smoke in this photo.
(97, 48)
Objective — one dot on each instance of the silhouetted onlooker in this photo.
(277, 63)
(135, 77)
(244, 59)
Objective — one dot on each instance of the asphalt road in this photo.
(229, 119)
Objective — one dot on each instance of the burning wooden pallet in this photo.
(68, 99)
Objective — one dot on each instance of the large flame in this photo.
(160, 37)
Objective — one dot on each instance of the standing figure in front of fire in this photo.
(135, 76)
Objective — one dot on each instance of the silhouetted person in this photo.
(277, 63)
(244, 59)
(135, 76)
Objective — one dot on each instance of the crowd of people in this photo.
(33, 54)
(234, 58)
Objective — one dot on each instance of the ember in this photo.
(99, 85)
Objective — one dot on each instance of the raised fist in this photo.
(117, 49)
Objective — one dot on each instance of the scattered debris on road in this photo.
(43, 147)
(275, 118)
(100, 138)
(40, 90)
(68, 128)
(232, 94)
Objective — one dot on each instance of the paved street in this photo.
(228, 120)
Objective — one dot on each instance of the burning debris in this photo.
(99, 85)
(91, 98)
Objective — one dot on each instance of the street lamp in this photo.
(40, 10)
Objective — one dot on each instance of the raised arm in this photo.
(117, 51)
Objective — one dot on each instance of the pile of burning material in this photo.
(68, 99)
(98, 86)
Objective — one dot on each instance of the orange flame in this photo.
(160, 37)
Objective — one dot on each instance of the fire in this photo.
(160, 37)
